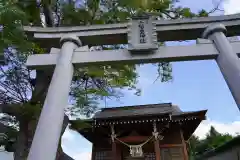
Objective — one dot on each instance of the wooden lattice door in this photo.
(147, 156)
(150, 156)
(103, 155)
(175, 153)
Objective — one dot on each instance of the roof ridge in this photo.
(137, 106)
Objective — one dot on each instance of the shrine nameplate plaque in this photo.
(142, 34)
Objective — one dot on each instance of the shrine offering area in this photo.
(146, 132)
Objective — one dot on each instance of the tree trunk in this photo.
(21, 148)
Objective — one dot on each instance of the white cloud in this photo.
(76, 146)
(68, 135)
(230, 128)
(231, 6)
(82, 156)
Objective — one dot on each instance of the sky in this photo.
(197, 85)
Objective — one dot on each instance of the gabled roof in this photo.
(139, 110)
(161, 112)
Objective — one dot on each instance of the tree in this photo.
(22, 94)
(17, 84)
(193, 142)
(213, 140)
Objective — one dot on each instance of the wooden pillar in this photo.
(116, 152)
(185, 152)
(93, 152)
(157, 150)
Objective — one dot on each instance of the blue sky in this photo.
(196, 85)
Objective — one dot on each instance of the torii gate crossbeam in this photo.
(204, 50)
(142, 36)
(167, 30)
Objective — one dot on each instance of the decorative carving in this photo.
(113, 135)
(155, 132)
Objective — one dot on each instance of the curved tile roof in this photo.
(139, 110)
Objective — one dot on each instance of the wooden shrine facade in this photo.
(146, 132)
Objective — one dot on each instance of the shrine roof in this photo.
(124, 118)
(139, 110)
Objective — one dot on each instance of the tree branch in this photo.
(42, 83)
(216, 8)
(48, 13)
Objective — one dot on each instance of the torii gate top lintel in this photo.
(107, 34)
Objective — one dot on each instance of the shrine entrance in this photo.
(142, 34)
(145, 132)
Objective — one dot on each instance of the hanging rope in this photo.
(135, 150)
(142, 144)
(113, 136)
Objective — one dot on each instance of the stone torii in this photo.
(142, 35)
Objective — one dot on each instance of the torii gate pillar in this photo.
(45, 141)
(227, 59)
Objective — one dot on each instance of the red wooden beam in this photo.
(93, 152)
(133, 139)
(157, 150)
(184, 146)
(170, 145)
(116, 152)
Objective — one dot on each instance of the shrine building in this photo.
(143, 132)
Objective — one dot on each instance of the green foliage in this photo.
(213, 140)
(117, 76)
(80, 124)
(98, 82)
(90, 84)
(186, 12)
(193, 143)
(113, 77)
(203, 13)
(74, 16)
(11, 20)
(31, 11)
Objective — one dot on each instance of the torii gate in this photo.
(142, 35)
